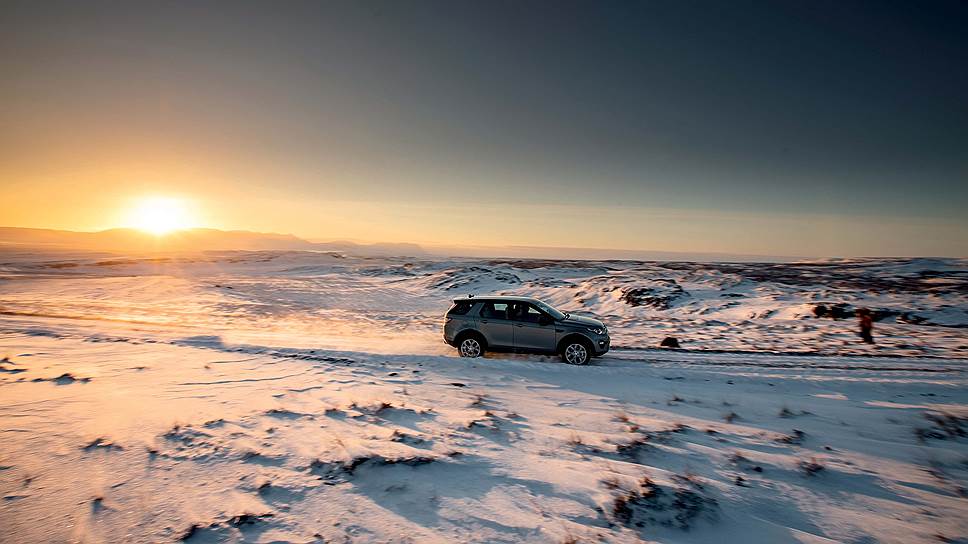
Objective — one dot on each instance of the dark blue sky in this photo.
(853, 113)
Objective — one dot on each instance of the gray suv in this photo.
(474, 325)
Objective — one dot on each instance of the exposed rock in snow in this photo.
(660, 296)
(669, 342)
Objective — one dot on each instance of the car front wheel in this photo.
(575, 353)
(470, 347)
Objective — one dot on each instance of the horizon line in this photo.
(493, 251)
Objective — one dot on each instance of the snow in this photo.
(302, 397)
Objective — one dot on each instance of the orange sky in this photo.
(97, 205)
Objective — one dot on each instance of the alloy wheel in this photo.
(470, 348)
(576, 354)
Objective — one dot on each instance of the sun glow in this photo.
(159, 215)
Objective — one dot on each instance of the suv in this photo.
(474, 325)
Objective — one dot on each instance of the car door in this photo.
(533, 329)
(494, 323)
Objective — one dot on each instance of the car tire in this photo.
(471, 345)
(576, 352)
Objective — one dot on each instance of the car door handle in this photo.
(484, 321)
(518, 325)
(559, 330)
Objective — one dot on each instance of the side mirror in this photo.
(544, 320)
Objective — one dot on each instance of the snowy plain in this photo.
(308, 397)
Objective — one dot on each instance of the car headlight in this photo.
(598, 330)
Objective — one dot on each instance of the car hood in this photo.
(583, 321)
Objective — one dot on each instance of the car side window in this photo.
(495, 310)
(528, 313)
(461, 308)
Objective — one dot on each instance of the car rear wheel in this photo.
(470, 347)
(576, 352)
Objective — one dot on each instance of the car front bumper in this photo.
(602, 345)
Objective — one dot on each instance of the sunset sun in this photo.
(159, 215)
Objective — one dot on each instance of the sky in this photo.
(776, 128)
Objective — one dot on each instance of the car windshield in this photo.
(550, 310)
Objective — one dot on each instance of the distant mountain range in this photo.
(189, 240)
(133, 241)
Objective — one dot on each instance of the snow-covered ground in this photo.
(289, 396)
